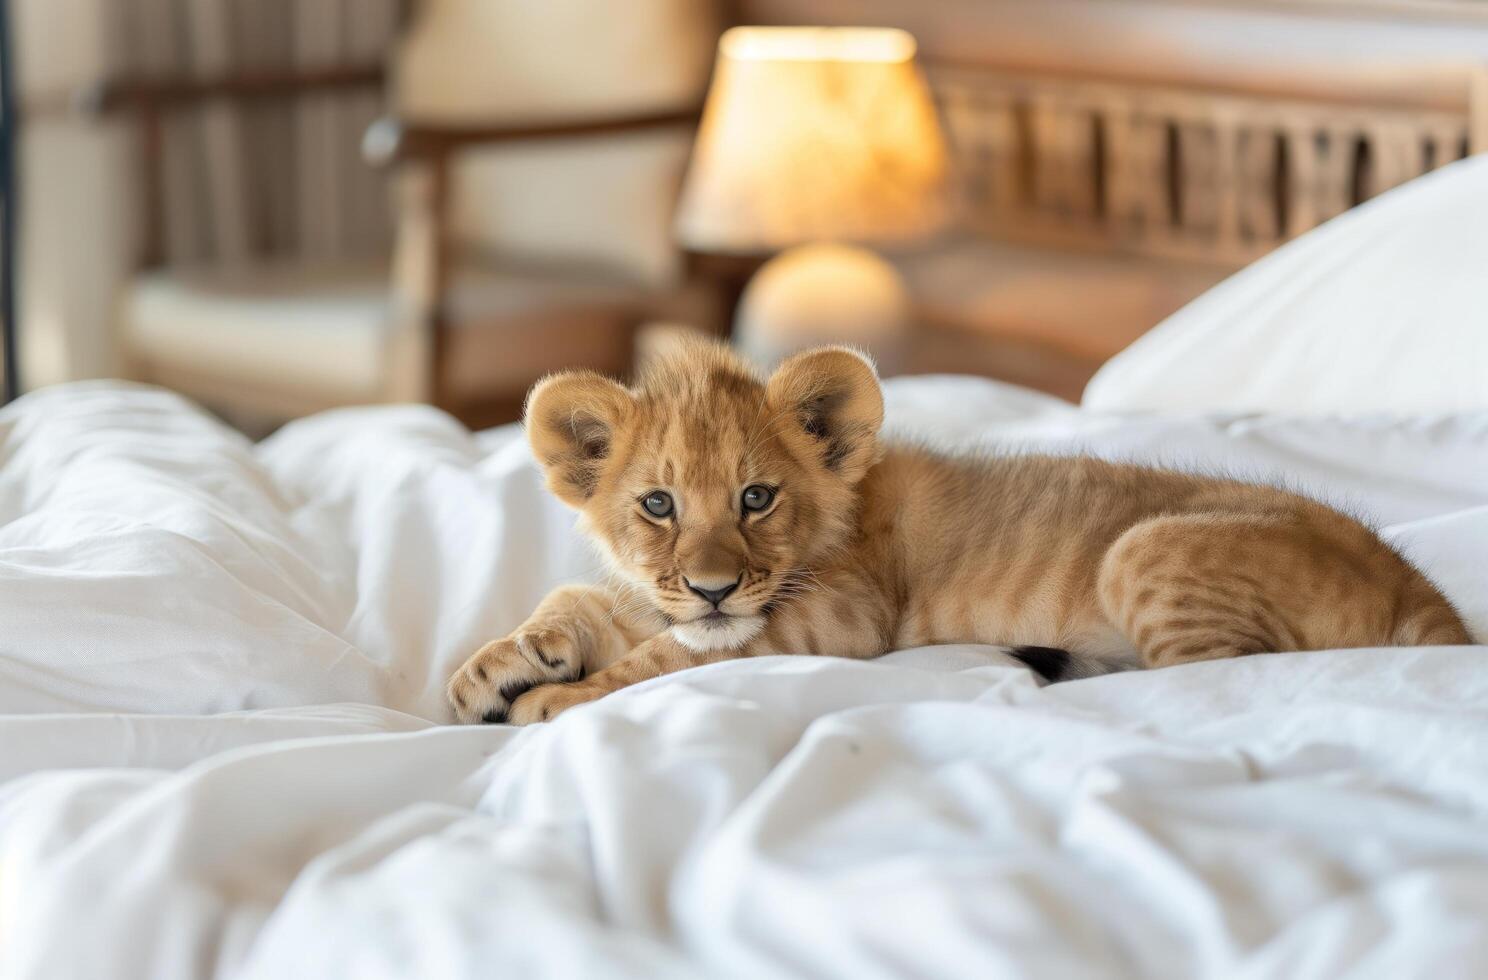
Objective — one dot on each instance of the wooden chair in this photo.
(275, 279)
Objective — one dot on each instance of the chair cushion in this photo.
(295, 328)
(321, 337)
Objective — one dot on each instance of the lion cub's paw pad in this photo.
(503, 670)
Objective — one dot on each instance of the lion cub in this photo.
(749, 517)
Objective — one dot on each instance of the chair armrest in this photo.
(112, 95)
(391, 141)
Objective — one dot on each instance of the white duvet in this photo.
(223, 747)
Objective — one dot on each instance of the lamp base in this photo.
(824, 294)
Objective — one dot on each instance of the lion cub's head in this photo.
(713, 490)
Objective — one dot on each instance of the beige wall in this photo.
(1371, 50)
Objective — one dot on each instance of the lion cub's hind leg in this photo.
(1210, 586)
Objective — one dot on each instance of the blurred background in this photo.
(282, 206)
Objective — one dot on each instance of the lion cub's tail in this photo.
(1054, 664)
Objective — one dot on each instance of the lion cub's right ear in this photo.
(835, 395)
(572, 420)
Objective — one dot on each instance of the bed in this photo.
(224, 748)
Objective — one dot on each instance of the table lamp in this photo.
(815, 142)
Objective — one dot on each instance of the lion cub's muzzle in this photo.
(710, 589)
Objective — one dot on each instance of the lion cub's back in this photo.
(942, 508)
(1008, 549)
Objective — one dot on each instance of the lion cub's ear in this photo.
(835, 395)
(572, 421)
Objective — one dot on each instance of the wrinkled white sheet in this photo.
(223, 750)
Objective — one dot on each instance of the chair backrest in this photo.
(265, 178)
(604, 199)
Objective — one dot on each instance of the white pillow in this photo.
(1384, 309)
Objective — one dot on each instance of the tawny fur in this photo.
(867, 549)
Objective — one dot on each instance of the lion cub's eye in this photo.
(758, 497)
(658, 503)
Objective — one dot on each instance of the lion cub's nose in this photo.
(714, 596)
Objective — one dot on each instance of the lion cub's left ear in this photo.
(835, 395)
(572, 421)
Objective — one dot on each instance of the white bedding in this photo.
(223, 746)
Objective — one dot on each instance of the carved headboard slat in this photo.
(1213, 177)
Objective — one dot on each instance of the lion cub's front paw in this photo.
(499, 672)
(549, 701)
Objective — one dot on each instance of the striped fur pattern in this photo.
(860, 548)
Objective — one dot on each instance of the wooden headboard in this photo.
(1169, 171)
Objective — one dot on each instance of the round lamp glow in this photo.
(823, 294)
(816, 135)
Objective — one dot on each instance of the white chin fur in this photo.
(725, 634)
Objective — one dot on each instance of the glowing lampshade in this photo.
(813, 134)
